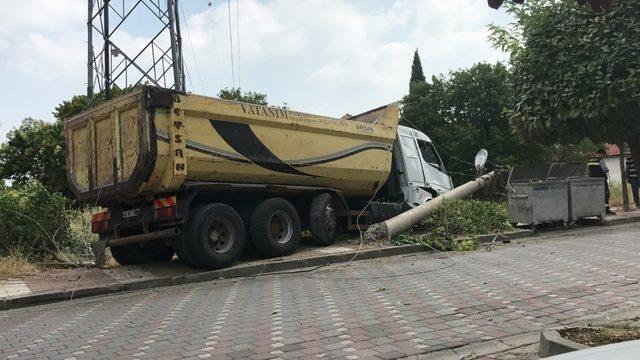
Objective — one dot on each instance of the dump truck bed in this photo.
(153, 141)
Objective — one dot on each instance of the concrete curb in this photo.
(552, 343)
(623, 220)
(248, 270)
(508, 236)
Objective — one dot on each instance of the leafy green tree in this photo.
(80, 103)
(465, 111)
(576, 71)
(417, 75)
(236, 94)
(35, 150)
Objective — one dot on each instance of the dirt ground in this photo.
(601, 336)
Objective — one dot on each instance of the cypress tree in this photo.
(416, 69)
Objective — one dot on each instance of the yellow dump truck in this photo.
(206, 178)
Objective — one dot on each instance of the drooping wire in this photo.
(186, 70)
(233, 71)
(238, 40)
(193, 53)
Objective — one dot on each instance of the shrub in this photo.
(81, 236)
(455, 224)
(33, 221)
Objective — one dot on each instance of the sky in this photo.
(328, 57)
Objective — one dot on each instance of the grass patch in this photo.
(15, 263)
(455, 225)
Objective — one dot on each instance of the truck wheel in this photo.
(215, 236)
(275, 228)
(323, 220)
(180, 244)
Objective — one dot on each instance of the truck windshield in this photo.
(429, 154)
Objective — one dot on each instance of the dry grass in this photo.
(616, 195)
(15, 264)
(601, 336)
(80, 226)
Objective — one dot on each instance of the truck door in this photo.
(412, 161)
(435, 173)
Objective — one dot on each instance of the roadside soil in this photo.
(601, 336)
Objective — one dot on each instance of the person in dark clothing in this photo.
(598, 168)
(632, 177)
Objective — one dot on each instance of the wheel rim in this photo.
(281, 227)
(221, 235)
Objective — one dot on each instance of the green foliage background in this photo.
(576, 72)
(466, 111)
(236, 94)
(34, 221)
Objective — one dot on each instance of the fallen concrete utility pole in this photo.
(395, 226)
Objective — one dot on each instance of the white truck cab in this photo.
(422, 172)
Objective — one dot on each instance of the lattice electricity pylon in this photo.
(123, 59)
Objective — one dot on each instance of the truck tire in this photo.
(275, 228)
(215, 236)
(323, 221)
(141, 253)
(183, 252)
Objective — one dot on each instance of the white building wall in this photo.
(613, 163)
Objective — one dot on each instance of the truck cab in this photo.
(421, 171)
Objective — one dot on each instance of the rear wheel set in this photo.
(323, 220)
(216, 234)
(274, 228)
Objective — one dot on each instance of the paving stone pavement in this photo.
(384, 309)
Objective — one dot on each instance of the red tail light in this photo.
(165, 208)
(100, 222)
(165, 213)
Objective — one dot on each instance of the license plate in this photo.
(130, 213)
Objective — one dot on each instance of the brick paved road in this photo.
(332, 313)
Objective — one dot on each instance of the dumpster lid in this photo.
(547, 172)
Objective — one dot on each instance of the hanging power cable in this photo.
(238, 39)
(186, 70)
(193, 53)
(233, 75)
